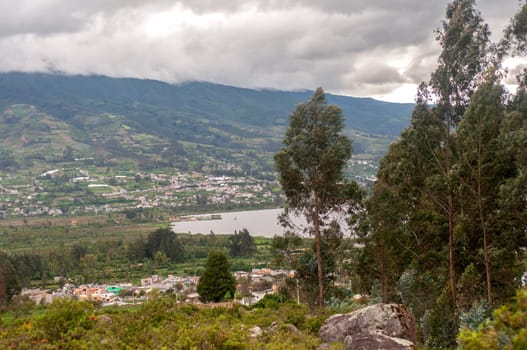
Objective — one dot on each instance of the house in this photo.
(114, 289)
(148, 281)
(192, 298)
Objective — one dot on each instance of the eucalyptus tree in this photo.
(465, 57)
(405, 233)
(483, 169)
(514, 41)
(419, 175)
(310, 168)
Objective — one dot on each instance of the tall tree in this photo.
(9, 285)
(241, 243)
(419, 175)
(310, 167)
(216, 282)
(164, 240)
(464, 39)
(483, 167)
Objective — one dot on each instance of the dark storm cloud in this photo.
(356, 47)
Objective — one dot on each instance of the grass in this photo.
(47, 233)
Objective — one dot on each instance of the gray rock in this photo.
(256, 332)
(334, 328)
(104, 319)
(376, 341)
(392, 320)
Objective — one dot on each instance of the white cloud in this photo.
(355, 47)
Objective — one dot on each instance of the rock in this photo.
(334, 328)
(376, 341)
(256, 332)
(392, 320)
(275, 327)
(104, 319)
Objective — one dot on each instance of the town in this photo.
(90, 190)
(251, 287)
(81, 192)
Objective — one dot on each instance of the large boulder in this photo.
(390, 320)
(376, 341)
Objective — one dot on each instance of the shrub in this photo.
(507, 330)
(65, 317)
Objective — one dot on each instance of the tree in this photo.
(464, 39)
(241, 244)
(483, 169)
(216, 282)
(418, 206)
(310, 168)
(164, 240)
(9, 285)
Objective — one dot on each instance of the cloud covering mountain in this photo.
(378, 48)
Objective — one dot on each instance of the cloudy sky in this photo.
(376, 48)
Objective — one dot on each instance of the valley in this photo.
(89, 145)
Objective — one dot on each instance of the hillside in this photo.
(89, 144)
(49, 118)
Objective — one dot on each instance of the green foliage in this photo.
(476, 316)
(9, 284)
(241, 244)
(440, 325)
(65, 318)
(164, 240)
(107, 253)
(216, 282)
(507, 330)
(284, 249)
(310, 169)
(446, 220)
(271, 301)
(161, 324)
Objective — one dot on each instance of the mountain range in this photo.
(47, 119)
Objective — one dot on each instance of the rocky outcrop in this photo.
(377, 341)
(390, 326)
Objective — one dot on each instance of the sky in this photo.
(363, 48)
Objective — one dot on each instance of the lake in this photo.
(258, 222)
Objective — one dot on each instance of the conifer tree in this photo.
(216, 283)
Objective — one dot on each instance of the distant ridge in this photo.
(48, 120)
(67, 94)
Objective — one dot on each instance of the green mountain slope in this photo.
(46, 119)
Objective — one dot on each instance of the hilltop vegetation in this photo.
(163, 324)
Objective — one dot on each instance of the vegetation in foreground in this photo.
(161, 324)
(443, 232)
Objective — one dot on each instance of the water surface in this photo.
(258, 222)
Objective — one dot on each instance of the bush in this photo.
(507, 330)
(64, 318)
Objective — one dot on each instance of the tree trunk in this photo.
(451, 249)
(485, 237)
(383, 275)
(450, 214)
(316, 226)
